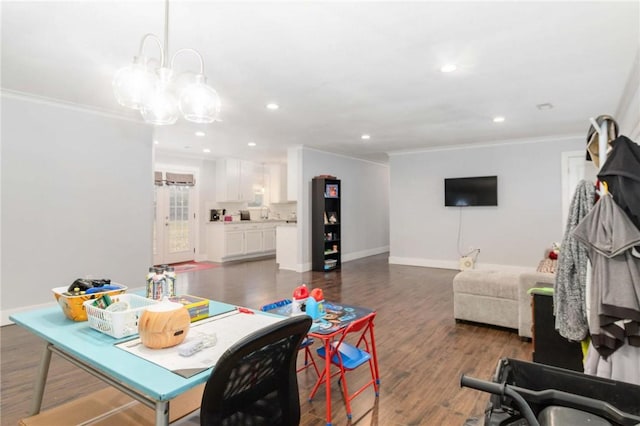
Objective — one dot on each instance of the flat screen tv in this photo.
(471, 191)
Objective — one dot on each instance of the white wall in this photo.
(364, 204)
(628, 113)
(76, 200)
(526, 221)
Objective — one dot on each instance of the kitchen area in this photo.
(254, 232)
(243, 210)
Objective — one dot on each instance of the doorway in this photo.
(174, 224)
(575, 168)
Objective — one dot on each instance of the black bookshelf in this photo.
(325, 227)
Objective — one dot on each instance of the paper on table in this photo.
(229, 328)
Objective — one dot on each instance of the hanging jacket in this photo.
(609, 236)
(621, 172)
(571, 272)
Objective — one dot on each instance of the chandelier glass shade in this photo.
(134, 83)
(160, 94)
(199, 102)
(160, 106)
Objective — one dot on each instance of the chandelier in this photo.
(161, 96)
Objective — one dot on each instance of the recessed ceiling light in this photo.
(156, 142)
(498, 119)
(273, 106)
(206, 150)
(200, 133)
(544, 106)
(365, 137)
(448, 68)
(251, 144)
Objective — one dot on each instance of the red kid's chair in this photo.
(348, 357)
(306, 342)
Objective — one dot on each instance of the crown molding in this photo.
(545, 139)
(29, 97)
(344, 156)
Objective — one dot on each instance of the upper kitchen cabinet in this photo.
(277, 174)
(294, 170)
(234, 180)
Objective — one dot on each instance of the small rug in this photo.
(193, 266)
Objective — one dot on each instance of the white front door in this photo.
(174, 224)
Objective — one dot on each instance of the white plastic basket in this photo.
(118, 324)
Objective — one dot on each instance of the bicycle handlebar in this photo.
(501, 389)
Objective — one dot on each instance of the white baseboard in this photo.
(201, 257)
(364, 253)
(427, 263)
(453, 264)
(294, 267)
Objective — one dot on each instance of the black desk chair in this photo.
(254, 382)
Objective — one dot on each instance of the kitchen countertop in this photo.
(248, 222)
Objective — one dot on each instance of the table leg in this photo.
(41, 380)
(162, 413)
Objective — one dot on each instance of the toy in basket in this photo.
(120, 318)
(72, 304)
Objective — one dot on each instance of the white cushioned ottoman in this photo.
(488, 297)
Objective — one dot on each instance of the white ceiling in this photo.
(341, 69)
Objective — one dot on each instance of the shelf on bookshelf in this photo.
(331, 190)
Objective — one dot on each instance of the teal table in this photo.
(95, 353)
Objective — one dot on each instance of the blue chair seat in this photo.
(308, 341)
(352, 357)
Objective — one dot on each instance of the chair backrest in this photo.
(364, 326)
(255, 381)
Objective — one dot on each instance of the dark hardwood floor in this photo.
(422, 351)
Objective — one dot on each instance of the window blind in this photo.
(179, 179)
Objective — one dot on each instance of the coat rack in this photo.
(603, 138)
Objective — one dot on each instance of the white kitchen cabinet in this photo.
(234, 180)
(269, 238)
(235, 241)
(277, 183)
(287, 247)
(253, 239)
(294, 166)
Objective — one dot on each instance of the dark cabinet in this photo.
(549, 347)
(325, 224)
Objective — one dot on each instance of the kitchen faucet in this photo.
(264, 212)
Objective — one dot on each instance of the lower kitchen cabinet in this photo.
(269, 238)
(233, 243)
(253, 239)
(226, 241)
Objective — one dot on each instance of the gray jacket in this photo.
(571, 273)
